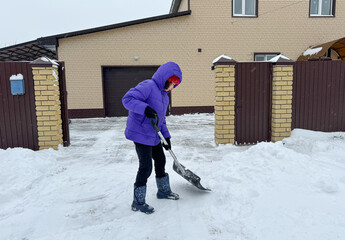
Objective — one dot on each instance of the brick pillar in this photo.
(224, 101)
(281, 101)
(48, 106)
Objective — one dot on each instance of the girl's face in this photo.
(171, 87)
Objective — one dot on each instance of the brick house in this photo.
(103, 63)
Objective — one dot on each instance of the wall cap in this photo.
(223, 60)
(44, 62)
(281, 60)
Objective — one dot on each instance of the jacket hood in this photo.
(164, 72)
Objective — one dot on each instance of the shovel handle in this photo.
(154, 123)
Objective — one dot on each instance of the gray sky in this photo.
(26, 20)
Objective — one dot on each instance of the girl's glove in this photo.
(150, 112)
(167, 147)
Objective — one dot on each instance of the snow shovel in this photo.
(177, 166)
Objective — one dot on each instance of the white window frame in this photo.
(265, 55)
(319, 13)
(243, 9)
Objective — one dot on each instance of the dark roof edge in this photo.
(175, 5)
(113, 26)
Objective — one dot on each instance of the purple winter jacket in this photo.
(149, 93)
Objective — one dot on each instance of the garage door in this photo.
(117, 81)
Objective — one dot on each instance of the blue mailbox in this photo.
(17, 84)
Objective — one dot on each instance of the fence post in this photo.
(48, 105)
(282, 80)
(224, 100)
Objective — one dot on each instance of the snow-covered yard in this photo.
(293, 189)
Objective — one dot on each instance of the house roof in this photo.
(46, 46)
(317, 52)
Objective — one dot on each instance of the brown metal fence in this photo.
(319, 96)
(18, 123)
(253, 83)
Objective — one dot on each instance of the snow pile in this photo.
(294, 189)
(280, 56)
(221, 56)
(53, 62)
(17, 77)
(312, 51)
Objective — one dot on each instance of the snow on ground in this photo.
(293, 189)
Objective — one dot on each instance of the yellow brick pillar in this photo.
(281, 100)
(48, 106)
(224, 100)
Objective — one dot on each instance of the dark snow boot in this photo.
(164, 191)
(139, 200)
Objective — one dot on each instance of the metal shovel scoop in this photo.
(177, 166)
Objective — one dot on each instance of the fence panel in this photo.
(253, 102)
(319, 96)
(18, 123)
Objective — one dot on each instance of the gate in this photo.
(18, 123)
(319, 96)
(253, 102)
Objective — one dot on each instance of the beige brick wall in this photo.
(282, 26)
(224, 104)
(282, 81)
(48, 107)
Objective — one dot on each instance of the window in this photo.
(319, 8)
(262, 57)
(244, 8)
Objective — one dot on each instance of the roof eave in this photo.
(175, 5)
(117, 25)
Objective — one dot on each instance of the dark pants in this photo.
(145, 155)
